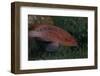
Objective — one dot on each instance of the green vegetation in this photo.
(77, 27)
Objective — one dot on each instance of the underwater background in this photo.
(76, 26)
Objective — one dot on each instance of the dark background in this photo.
(76, 26)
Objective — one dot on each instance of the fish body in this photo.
(56, 35)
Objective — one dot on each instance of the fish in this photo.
(53, 34)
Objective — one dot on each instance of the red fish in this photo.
(56, 35)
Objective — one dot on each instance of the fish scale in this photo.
(54, 34)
